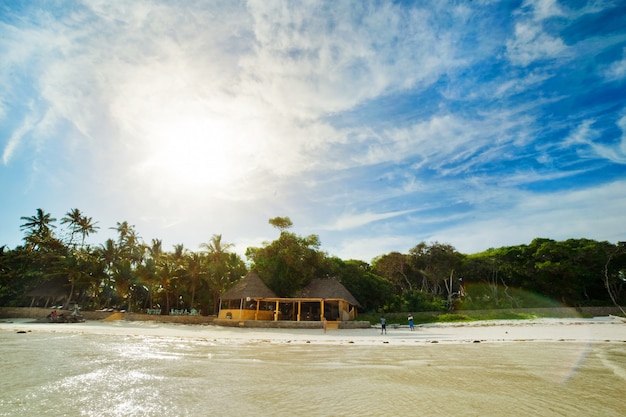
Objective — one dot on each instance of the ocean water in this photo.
(82, 374)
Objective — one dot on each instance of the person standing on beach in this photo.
(383, 325)
(411, 325)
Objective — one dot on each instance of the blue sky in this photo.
(375, 125)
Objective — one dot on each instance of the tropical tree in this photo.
(219, 267)
(130, 253)
(72, 218)
(38, 228)
(149, 270)
(79, 223)
(195, 274)
(372, 291)
(615, 277)
(290, 262)
(395, 267)
(107, 254)
(438, 263)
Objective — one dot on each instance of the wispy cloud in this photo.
(531, 43)
(585, 134)
(370, 122)
(617, 70)
(352, 220)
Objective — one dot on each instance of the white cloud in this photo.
(590, 213)
(544, 9)
(353, 220)
(531, 43)
(15, 139)
(182, 111)
(586, 135)
(617, 70)
(319, 58)
(368, 248)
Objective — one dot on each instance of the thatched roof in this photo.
(56, 289)
(249, 286)
(328, 288)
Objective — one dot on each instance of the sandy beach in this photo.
(598, 329)
(547, 367)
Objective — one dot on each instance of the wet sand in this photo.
(599, 329)
(547, 367)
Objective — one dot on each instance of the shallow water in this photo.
(70, 374)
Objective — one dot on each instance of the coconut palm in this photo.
(39, 227)
(218, 257)
(79, 223)
(86, 227)
(177, 268)
(73, 218)
(108, 254)
(152, 266)
(196, 273)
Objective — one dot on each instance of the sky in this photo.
(374, 125)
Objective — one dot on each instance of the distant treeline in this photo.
(131, 274)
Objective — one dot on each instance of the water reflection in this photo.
(97, 375)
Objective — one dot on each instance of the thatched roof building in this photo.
(251, 299)
(250, 286)
(328, 288)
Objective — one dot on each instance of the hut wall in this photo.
(246, 314)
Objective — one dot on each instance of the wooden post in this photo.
(276, 311)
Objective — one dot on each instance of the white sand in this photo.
(599, 329)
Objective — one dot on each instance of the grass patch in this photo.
(445, 318)
(469, 315)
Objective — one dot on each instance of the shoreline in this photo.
(609, 329)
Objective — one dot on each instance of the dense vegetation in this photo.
(131, 274)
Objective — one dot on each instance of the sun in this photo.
(191, 152)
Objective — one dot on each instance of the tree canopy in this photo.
(127, 272)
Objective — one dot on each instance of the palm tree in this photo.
(123, 230)
(129, 255)
(86, 227)
(73, 218)
(108, 254)
(177, 268)
(79, 223)
(218, 263)
(39, 227)
(195, 274)
(153, 265)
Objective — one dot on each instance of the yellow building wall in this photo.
(237, 314)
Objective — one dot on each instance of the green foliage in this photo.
(430, 277)
(422, 301)
(400, 319)
(290, 262)
(281, 223)
(370, 290)
(568, 273)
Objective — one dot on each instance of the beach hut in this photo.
(330, 300)
(246, 300)
(251, 299)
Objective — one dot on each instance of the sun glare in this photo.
(196, 152)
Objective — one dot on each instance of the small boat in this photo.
(73, 317)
